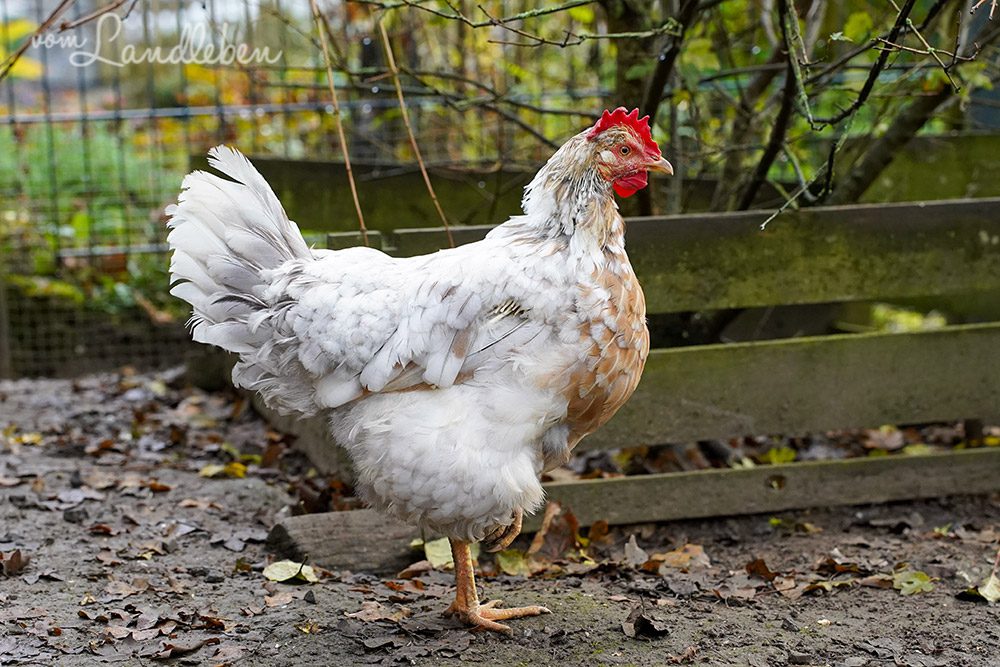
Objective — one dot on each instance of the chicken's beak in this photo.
(661, 166)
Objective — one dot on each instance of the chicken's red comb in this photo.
(621, 116)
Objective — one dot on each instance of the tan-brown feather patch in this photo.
(618, 347)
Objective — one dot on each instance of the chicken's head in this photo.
(624, 150)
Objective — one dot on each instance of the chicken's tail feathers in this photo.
(224, 235)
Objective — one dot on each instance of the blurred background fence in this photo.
(92, 148)
(100, 120)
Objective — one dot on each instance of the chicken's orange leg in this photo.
(466, 605)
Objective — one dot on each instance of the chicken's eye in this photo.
(624, 150)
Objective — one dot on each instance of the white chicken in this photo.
(453, 379)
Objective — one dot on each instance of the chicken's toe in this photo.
(502, 536)
(485, 616)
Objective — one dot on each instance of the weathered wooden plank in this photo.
(845, 253)
(343, 240)
(364, 540)
(355, 540)
(798, 385)
(774, 488)
(315, 193)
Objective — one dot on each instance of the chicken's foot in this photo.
(466, 605)
(502, 536)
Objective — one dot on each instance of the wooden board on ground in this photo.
(708, 493)
(365, 541)
(359, 540)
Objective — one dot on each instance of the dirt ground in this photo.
(141, 552)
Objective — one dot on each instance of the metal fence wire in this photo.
(97, 128)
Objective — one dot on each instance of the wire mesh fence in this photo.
(101, 117)
(99, 120)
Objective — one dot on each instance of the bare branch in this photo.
(993, 7)
(455, 101)
(391, 63)
(569, 39)
(338, 120)
(795, 45)
(873, 74)
(776, 141)
(12, 59)
(905, 125)
(459, 16)
(101, 11)
(666, 62)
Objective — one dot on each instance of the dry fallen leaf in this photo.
(876, 581)
(168, 650)
(119, 590)
(278, 599)
(641, 623)
(689, 556)
(910, 582)
(13, 563)
(787, 587)
(103, 529)
(156, 486)
(415, 569)
(758, 568)
(438, 553)
(990, 590)
(201, 504)
(233, 469)
(688, 655)
(373, 611)
(287, 570)
(513, 562)
(309, 628)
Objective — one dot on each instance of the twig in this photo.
(101, 11)
(925, 52)
(665, 63)
(873, 74)
(794, 44)
(904, 126)
(777, 140)
(453, 99)
(836, 65)
(391, 62)
(796, 166)
(791, 200)
(932, 52)
(338, 121)
(570, 38)
(457, 15)
(825, 170)
(11, 60)
(993, 7)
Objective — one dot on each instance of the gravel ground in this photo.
(138, 558)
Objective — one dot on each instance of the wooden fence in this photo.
(797, 385)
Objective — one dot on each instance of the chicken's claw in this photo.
(485, 616)
(502, 536)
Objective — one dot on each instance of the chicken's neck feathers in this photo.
(569, 201)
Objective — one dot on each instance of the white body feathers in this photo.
(448, 377)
